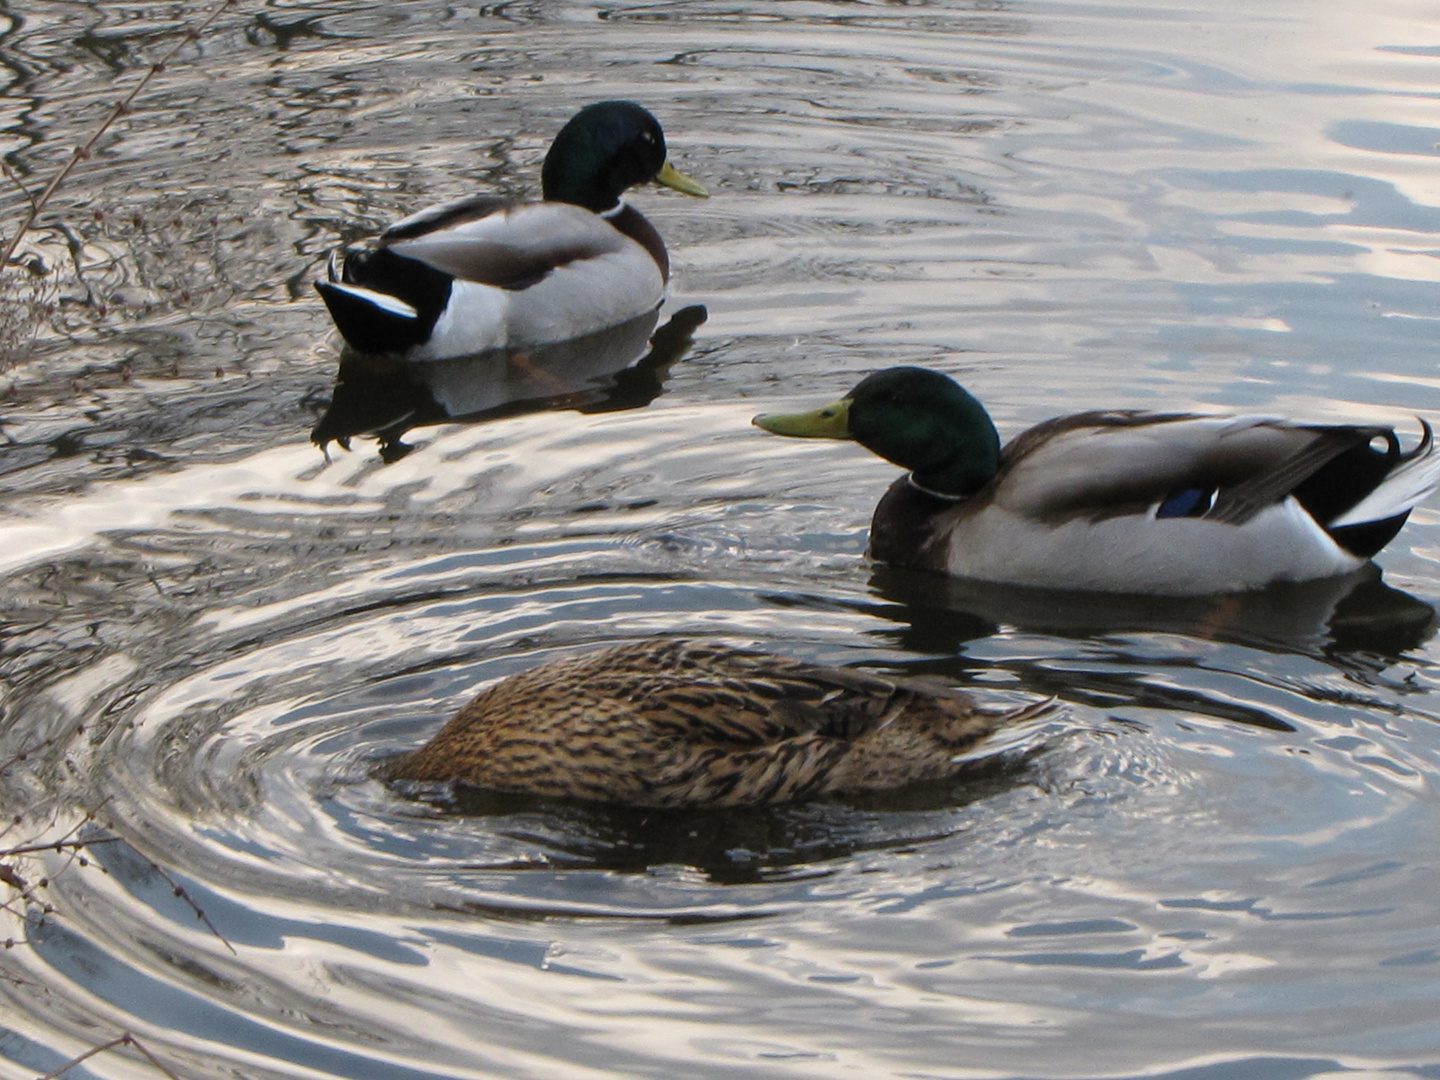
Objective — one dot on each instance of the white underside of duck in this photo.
(566, 305)
(1135, 554)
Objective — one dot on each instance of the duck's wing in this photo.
(1111, 464)
(444, 216)
(506, 244)
(746, 699)
(762, 729)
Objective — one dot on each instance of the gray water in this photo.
(1218, 860)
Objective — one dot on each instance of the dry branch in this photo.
(126, 1039)
(179, 891)
(121, 108)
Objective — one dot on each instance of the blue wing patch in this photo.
(1191, 502)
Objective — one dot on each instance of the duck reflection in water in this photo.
(606, 371)
(1354, 621)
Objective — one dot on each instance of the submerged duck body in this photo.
(485, 273)
(684, 723)
(1122, 501)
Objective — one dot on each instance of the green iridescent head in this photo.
(919, 419)
(604, 149)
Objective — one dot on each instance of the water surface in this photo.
(1218, 859)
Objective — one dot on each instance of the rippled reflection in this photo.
(1347, 617)
(737, 846)
(602, 372)
(1218, 862)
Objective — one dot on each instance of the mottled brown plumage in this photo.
(686, 723)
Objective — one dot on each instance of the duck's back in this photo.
(676, 723)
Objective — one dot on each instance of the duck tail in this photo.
(1372, 522)
(370, 321)
(1414, 477)
(1015, 731)
(382, 302)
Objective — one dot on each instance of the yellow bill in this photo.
(831, 422)
(672, 177)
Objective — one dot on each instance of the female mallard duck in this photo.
(686, 723)
(488, 273)
(1165, 503)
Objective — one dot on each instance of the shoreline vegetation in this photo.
(28, 291)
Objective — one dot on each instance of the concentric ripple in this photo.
(1215, 858)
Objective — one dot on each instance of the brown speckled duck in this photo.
(678, 723)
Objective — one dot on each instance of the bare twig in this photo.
(22, 894)
(10, 875)
(151, 1057)
(65, 842)
(179, 891)
(126, 1039)
(80, 1059)
(43, 744)
(24, 891)
(15, 179)
(58, 845)
(121, 108)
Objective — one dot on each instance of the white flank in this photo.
(474, 321)
(573, 300)
(1138, 554)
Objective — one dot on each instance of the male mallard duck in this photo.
(686, 723)
(1122, 501)
(488, 273)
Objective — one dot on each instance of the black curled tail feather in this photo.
(365, 322)
(1349, 476)
(1366, 524)
(1426, 444)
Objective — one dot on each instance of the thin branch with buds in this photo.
(179, 891)
(121, 108)
(44, 744)
(122, 1040)
(58, 845)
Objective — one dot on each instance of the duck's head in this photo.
(919, 419)
(604, 149)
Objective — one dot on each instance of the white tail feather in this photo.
(392, 304)
(1402, 490)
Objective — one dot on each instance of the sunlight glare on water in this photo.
(1214, 860)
